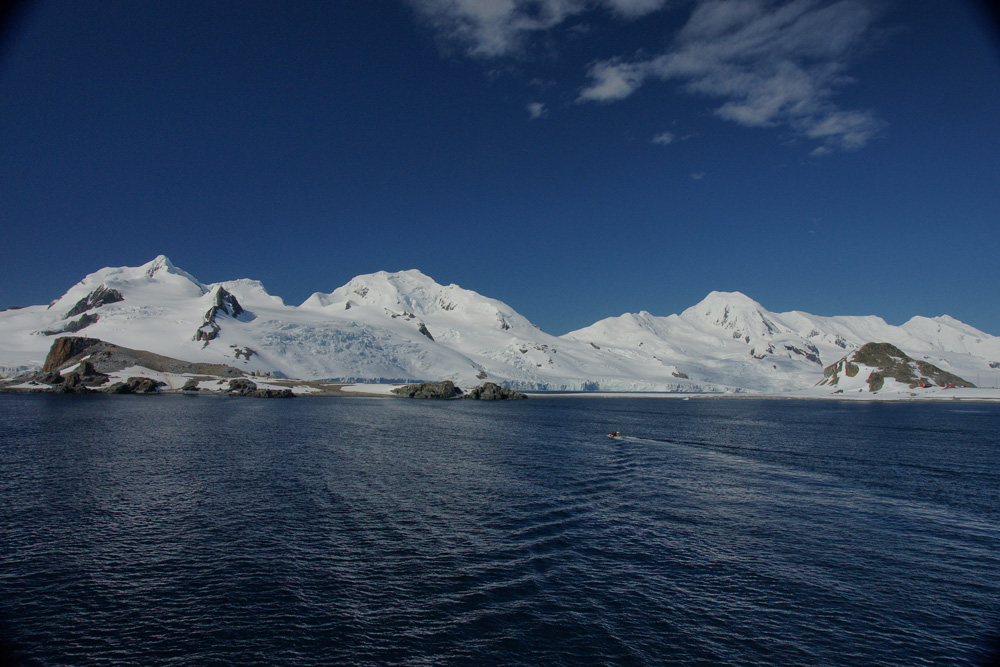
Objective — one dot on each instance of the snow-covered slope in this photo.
(494, 340)
(730, 338)
(383, 326)
(405, 326)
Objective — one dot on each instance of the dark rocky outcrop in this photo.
(241, 386)
(110, 358)
(65, 348)
(243, 351)
(143, 385)
(244, 387)
(208, 331)
(85, 321)
(136, 385)
(73, 325)
(190, 385)
(99, 297)
(446, 389)
(49, 377)
(70, 388)
(119, 388)
(811, 353)
(490, 391)
(224, 303)
(86, 375)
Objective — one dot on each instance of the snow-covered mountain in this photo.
(405, 326)
(729, 338)
(383, 326)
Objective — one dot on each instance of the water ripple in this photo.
(222, 532)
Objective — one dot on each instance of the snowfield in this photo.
(405, 327)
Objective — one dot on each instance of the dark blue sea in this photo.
(176, 530)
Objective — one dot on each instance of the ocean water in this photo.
(175, 530)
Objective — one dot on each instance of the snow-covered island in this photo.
(386, 329)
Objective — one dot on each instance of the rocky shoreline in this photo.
(489, 391)
(80, 365)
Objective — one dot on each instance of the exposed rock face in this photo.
(74, 325)
(85, 321)
(99, 297)
(70, 388)
(49, 377)
(446, 389)
(136, 385)
(110, 358)
(244, 387)
(490, 391)
(208, 331)
(190, 385)
(65, 348)
(811, 353)
(226, 303)
(241, 386)
(883, 361)
(141, 385)
(86, 375)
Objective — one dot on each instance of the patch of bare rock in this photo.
(93, 360)
(489, 391)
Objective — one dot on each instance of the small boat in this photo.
(616, 435)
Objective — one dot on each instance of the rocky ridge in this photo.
(875, 363)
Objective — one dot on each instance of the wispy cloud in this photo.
(494, 28)
(765, 63)
(769, 64)
(537, 110)
(664, 138)
(613, 80)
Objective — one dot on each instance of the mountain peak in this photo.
(400, 291)
(159, 263)
(408, 290)
(161, 266)
(716, 299)
(735, 312)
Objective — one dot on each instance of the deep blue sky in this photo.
(841, 158)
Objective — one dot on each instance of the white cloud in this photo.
(770, 64)
(612, 81)
(848, 130)
(537, 110)
(634, 8)
(491, 28)
(766, 63)
(496, 28)
(664, 138)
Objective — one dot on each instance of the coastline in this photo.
(174, 383)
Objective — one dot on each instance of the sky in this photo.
(576, 159)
